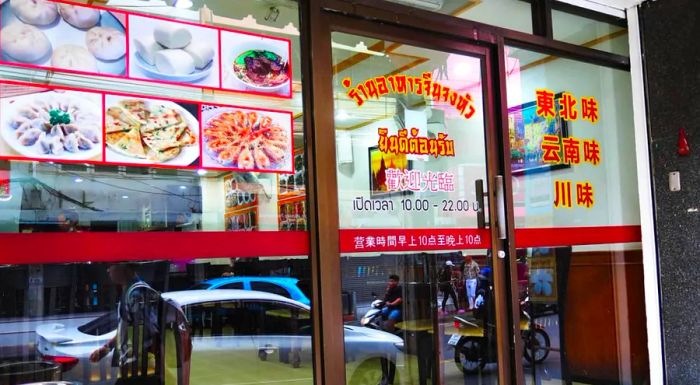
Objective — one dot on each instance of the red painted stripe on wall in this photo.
(110, 246)
(569, 236)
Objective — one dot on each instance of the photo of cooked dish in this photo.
(261, 68)
(247, 139)
(50, 124)
(150, 131)
(65, 36)
(255, 63)
(173, 52)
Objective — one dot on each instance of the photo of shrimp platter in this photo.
(247, 139)
(63, 36)
(150, 131)
(173, 52)
(255, 63)
(50, 124)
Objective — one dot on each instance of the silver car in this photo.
(237, 336)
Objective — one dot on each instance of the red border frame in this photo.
(84, 73)
(104, 161)
(127, 74)
(291, 139)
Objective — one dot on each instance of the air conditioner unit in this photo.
(432, 5)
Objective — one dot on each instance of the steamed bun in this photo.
(74, 57)
(79, 17)
(106, 43)
(24, 42)
(36, 12)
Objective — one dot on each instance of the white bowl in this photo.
(256, 43)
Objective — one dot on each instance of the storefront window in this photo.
(412, 171)
(152, 157)
(579, 266)
(590, 33)
(511, 14)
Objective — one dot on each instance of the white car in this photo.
(247, 335)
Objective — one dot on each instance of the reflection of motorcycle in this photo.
(475, 342)
(374, 319)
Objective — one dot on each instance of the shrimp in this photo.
(245, 159)
(238, 118)
(276, 154)
(261, 160)
(266, 122)
(218, 144)
(252, 119)
(281, 144)
(229, 154)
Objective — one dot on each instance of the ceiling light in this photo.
(125, 197)
(183, 187)
(78, 180)
(201, 172)
(183, 4)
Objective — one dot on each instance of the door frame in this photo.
(381, 19)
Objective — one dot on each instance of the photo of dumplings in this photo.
(64, 36)
(173, 52)
(79, 17)
(51, 124)
(35, 12)
(24, 42)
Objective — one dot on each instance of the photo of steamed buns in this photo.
(64, 36)
(173, 52)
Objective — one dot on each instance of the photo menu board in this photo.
(72, 125)
(76, 125)
(104, 42)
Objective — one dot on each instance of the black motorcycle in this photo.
(475, 344)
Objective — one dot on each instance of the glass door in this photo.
(416, 157)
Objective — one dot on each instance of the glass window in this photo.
(577, 220)
(511, 14)
(269, 288)
(234, 285)
(159, 135)
(411, 167)
(590, 33)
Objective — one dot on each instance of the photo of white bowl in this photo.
(255, 63)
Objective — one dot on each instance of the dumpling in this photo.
(106, 43)
(174, 62)
(79, 17)
(36, 12)
(24, 42)
(30, 137)
(171, 35)
(74, 57)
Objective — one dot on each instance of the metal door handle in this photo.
(480, 216)
(500, 208)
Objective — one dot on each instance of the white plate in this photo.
(282, 119)
(10, 106)
(152, 72)
(188, 154)
(60, 33)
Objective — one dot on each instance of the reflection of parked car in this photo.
(284, 286)
(234, 333)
